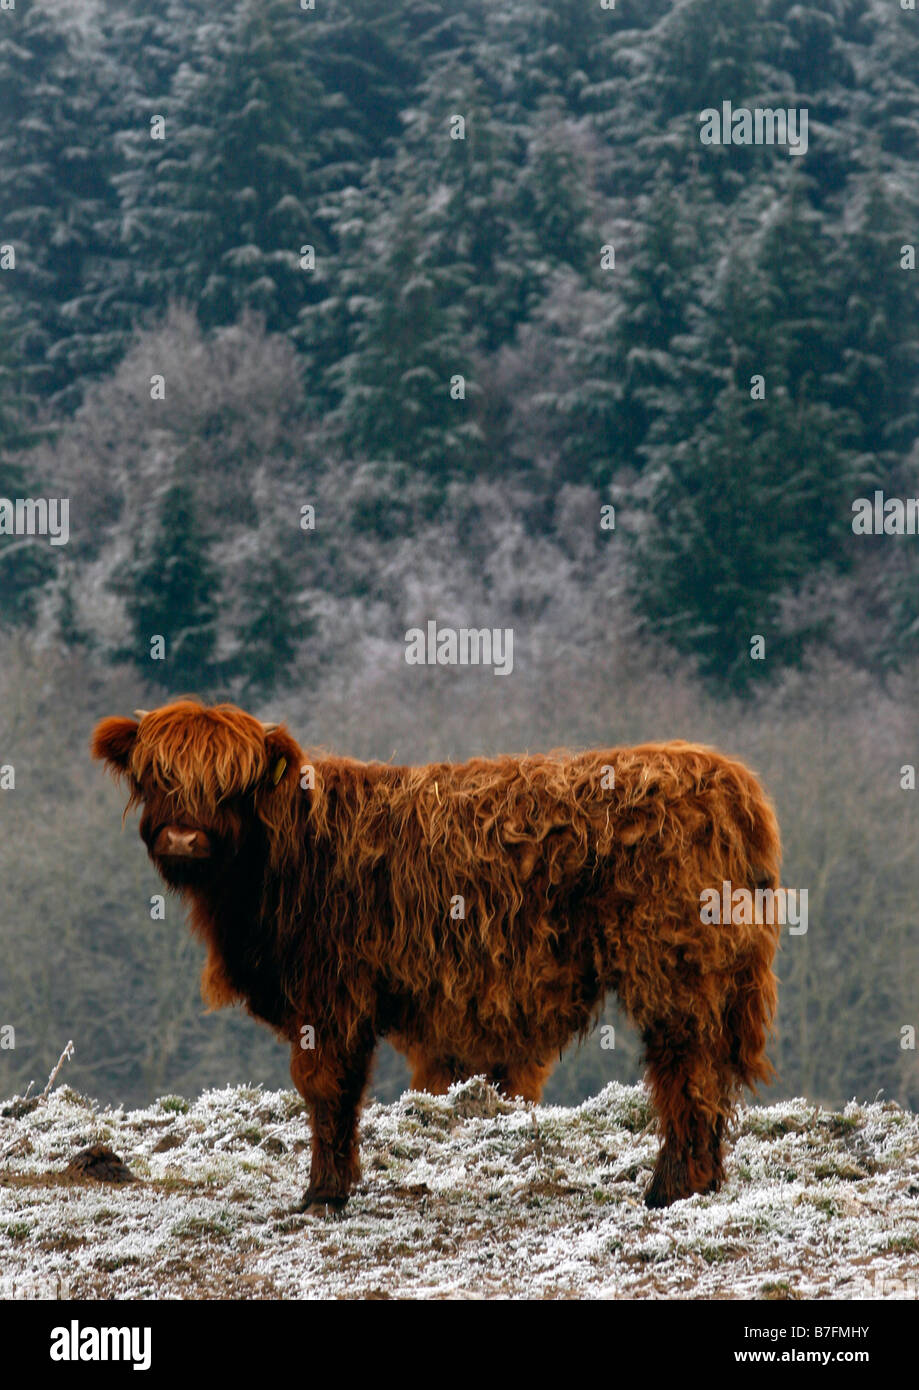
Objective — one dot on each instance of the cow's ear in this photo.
(278, 793)
(283, 757)
(113, 742)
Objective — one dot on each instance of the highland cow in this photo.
(475, 914)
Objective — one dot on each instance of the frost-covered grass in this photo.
(463, 1196)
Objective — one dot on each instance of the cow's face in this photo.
(188, 844)
(202, 777)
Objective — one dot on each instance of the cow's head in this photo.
(206, 779)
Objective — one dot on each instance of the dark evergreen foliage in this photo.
(171, 592)
(462, 317)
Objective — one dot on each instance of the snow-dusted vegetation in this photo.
(463, 1196)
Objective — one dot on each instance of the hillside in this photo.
(463, 1196)
(456, 317)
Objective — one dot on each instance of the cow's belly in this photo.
(502, 1023)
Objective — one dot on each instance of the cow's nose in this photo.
(181, 841)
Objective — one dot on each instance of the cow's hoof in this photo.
(661, 1192)
(315, 1201)
(656, 1197)
(669, 1181)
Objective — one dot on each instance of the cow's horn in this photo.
(269, 728)
(141, 713)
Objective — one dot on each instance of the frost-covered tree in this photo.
(276, 107)
(407, 390)
(275, 624)
(740, 512)
(877, 378)
(58, 202)
(172, 593)
(219, 206)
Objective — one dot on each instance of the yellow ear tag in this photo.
(278, 770)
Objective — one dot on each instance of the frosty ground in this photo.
(463, 1196)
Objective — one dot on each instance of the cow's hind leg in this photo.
(437, 1074)
(692, 1090)
(525, 1079)
(698, 1066)
(432, 1074)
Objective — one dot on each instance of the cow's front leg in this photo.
(332, 1088)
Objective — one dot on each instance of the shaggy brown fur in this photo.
(336, 906)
